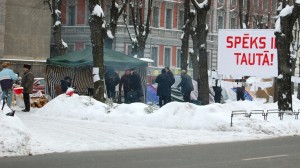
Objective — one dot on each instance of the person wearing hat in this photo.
(27, 84)
(7, 78)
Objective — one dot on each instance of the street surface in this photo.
(271, 153)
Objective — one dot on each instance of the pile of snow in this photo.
(176, 115)
(75, 106)
(14, 137)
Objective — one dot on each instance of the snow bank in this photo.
(176, 115)
(75, 106)
(14, 137)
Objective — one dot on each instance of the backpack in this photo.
(6, 84)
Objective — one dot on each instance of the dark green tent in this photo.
(85, 58)
(78, 65)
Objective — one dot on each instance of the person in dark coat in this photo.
(172, 79)
(240, 90)
(218, 92)
(135, 87)
(186, 85)
(125, 83)
(27, 84)
(163, 88)
(65, 84)
(112, 79)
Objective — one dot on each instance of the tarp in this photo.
(85, 58)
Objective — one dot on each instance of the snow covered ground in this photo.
(78, 123)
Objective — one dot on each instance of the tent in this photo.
(79, 64)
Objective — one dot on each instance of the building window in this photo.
(87, 15)
(274, 6)
(209, 61)
(232, 23)
(154, 54)
(129, 50)
(220, 22)
(71, 15)
(256, 5)
(190, 62)
(167, 58)
(233, 2)
(180, 20)
(169, 19)
(155, 22)
(71, 48)
(88, 46)
(265, 5)
(107, 13)
(178, 58)
(245, 4)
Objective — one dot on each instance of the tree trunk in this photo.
(283, 43)
(97, 38)
(241, 6)
(199, 38)
(186, 36)
(115, 14)
(55, 8)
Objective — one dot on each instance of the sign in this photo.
(247, 52)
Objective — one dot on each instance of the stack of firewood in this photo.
(38, 102)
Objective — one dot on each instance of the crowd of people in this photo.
(130, 83)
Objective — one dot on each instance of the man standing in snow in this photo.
(172, 81)
(125, 83)
(135, 87)
(65, 84)
(7, 78)
(27, 84)
(112, 79)
(163, 88)
(186, 85)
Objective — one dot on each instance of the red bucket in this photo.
(18, 90)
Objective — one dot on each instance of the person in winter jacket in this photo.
(27, 84)
(135, 87)
(172, 79)
(125, 83)
(65, 84)
(112, 79)
(218, 92)
(186, 85)
(164, 87)
(7, 78)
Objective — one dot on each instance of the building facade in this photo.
(163, 44)
(25, 27)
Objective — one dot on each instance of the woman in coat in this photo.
(164, 87)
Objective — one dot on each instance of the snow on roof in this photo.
(146, 60)
(286, 11)
(98, 11)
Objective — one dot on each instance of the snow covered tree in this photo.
(140, 25)
(244, 20)
(55, 8)
(98, 33)
(199, 53)
(115, 13)
(284, 37)
(187, 28)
